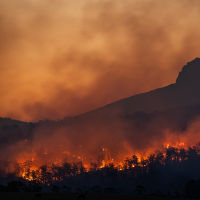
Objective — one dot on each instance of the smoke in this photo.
(111, 139)
(61, 58)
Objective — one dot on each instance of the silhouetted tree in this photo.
(192, 153)
(192, 189)
(74, 169)
(43, 173)
(16, 186)
(139, 190)
(60, 173)
(18, 169)
(152, 158)
(49, 177)
(96, 189)
(135, 160)
(182, 154)
(81, 167)
(168, 194)
(55, 188)
(67, 169)
(144, 165)
(33, 187)
(177, 194)
(159, 157)
(93, 166)
(171, 154)
(66, 189)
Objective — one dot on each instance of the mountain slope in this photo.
(186, 91)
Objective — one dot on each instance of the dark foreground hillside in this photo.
(65, 196)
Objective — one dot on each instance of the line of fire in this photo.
(41, 170)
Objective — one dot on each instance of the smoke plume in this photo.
(66, 58)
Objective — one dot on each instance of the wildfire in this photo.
(41, 168)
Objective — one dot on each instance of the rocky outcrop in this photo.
(186, 91)
(190, 74)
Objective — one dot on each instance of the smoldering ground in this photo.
(61, 58)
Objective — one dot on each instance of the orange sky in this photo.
(64, 57)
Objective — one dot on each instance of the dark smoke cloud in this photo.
(61, 58)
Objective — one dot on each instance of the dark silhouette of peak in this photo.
(182, 93)
(10, 122)
(190, 74)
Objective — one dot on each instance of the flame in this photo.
(40, 161)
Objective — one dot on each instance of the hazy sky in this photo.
(64, 57)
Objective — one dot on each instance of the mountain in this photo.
(186, 91)
(10, 122)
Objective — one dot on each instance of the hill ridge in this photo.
(181, 93)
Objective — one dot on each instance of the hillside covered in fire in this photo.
(155, 141)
